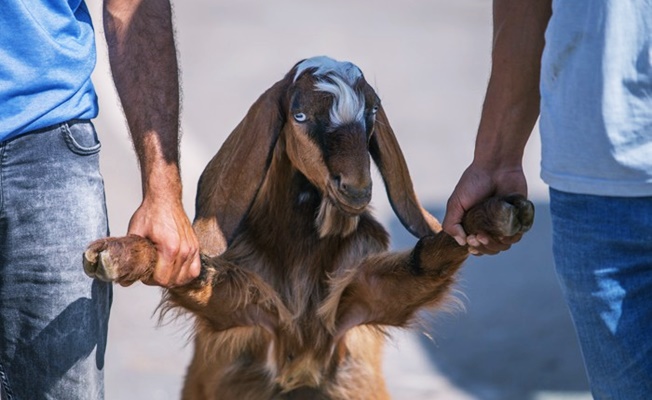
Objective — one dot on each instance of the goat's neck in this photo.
(281, 226)
(288, 204)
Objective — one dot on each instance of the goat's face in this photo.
(331, 116)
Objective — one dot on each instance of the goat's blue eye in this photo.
(300, 117)
(374, 110)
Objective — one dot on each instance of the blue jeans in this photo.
(53, 318)
(603, 255)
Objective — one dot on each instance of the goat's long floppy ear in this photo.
(388, 156)
(230, 181)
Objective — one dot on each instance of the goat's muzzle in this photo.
(349, 196)
(349, 167)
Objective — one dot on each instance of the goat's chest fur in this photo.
(280, 242)
(298, 264)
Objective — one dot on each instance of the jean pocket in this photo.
(81, 138)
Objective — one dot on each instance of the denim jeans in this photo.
(603, 255)
(53, 318)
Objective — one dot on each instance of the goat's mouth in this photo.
(347, 204)
(339, 214)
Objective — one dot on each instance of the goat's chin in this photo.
(347, 206)
(348, 209)
(337, 219)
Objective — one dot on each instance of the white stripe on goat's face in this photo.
(338, 79)
(348, 106)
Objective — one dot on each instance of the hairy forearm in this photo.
(143, 61)
(511, 105)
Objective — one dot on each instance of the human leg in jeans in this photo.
(603, 255)
(53, 318)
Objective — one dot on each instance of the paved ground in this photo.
(429, 60)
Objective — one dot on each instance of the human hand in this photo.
(165, 223)
(476, 184)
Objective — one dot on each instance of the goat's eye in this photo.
(300, 117)
(374, 110)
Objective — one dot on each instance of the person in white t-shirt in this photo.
(584, 67)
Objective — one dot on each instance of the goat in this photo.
(297, 283)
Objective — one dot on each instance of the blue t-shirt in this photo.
(47, 55)
(596, 98)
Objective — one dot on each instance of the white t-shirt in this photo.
(596, 98)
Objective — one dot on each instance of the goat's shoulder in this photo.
(371, 234)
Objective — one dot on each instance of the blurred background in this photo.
(429, 61)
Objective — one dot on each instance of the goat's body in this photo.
(241, 371)
(297, 283)
(280, 243)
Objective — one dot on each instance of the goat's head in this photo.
(329, 119)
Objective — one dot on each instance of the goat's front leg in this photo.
(224, 295)
(389, 288)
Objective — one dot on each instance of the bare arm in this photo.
(510, 110)
(143, 61)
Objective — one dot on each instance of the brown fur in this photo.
(298, 283)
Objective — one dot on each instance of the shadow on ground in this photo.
(515, 339)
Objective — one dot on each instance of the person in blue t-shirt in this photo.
(53, 318)
(584, 67)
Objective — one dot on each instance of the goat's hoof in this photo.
(123, 260)
(98, 262)
(514, 215)
(500, 217)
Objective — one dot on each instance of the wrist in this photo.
(500, 144)
(162, 182)
(499, 178)
(495, 160)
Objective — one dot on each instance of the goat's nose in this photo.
(357, 191)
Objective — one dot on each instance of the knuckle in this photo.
(173, 248)
(195, 269)
(186, 252)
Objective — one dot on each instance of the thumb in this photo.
(453, 220)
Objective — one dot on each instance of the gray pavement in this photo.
(429, 61)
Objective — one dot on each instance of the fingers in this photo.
(452, 223)
(178, 262)
(477, 184)
(177, 246)
(457, 232)
(478, 243)
(481, 244)
(473, 187)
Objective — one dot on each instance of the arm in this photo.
(510, 110)
(143, 61)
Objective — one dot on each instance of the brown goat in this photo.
(297, 282)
